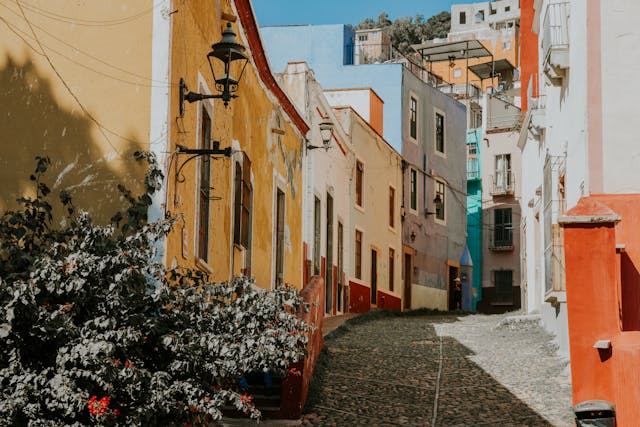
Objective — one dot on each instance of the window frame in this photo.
(506, 297)
(392, 269)
(392, 207)
(357, 253)
(462, 18)
(413, 117)
(503, 228)
(413, 190)
(359, 199)
(437, 112)
(440, 184)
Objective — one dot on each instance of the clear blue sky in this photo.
(288, 12)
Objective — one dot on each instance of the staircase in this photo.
(268, 402)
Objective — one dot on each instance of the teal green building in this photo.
(474, 215)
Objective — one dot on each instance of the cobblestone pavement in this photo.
(442, 370)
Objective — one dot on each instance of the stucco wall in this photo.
(435, 243)
(325, 172)
(245, 125)
(324, 48)
(620, 38)
(382, 169)
(91, 128)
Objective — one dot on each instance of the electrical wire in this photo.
(103, 129)
(76, 49)
(23, 34)
(86, 22)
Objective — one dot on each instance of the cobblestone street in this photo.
(439, 371)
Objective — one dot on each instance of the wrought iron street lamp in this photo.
(232, 55)
(326, 133)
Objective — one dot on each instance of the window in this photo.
(440, 201)
(463, 18)
(279, 231)
(363, 37)
(392, 206)
(503, 228)
(506, 45)
(243, 195)
(204, 189)
(503, 280)
(503, 181)
(457, 73)
(414, 190)
(439, 133)
(359, 183)
(413, 120)
(358, 253)
(392, 255)
(316, 236)
(479, 16)
(492, 11)
(507, 8)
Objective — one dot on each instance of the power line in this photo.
(86, 22)
(103, 130)
(75, 48)
(23, 34)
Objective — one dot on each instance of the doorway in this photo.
(279, 230)
(340, 277)
(407, 281)
(374, 276)
(328, 282)
(453, 274)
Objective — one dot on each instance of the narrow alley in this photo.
(439, 370)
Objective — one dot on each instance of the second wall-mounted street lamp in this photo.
(232, 55)
(326, 133)
(437, 200)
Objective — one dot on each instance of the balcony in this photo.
(461, 91)
(555, 41)
(503, 183)
(473, 169)
(501, 240)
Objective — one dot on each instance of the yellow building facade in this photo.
(254, 223)
(88, 84)
(75, 85)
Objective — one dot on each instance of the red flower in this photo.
(98, 407)
(295, 372)
(128, 364)
(116, 362)
(246, 398)
(116, 412)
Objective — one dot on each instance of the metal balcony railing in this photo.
(555, 32)
(503, 183)
(385, 53)
(473, 169)
(461, 90)
(501, 238)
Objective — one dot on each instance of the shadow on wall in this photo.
(33, 123)
(384, 372)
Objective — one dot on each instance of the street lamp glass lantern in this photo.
(232, 55)
(326, 131)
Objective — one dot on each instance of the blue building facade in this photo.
(328, 49)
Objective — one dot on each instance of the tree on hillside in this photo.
(407, 31)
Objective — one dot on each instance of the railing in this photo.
(501, 238)
(385, 53)
(473, 169)
(555, 31)
(503, 183)
(461, 90)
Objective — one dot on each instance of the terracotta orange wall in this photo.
(495, 46)
(596, 279)
(528, 49)
(376, 113)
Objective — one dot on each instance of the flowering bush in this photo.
(93, 331)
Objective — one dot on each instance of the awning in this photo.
(436, 52)
(500, 66)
